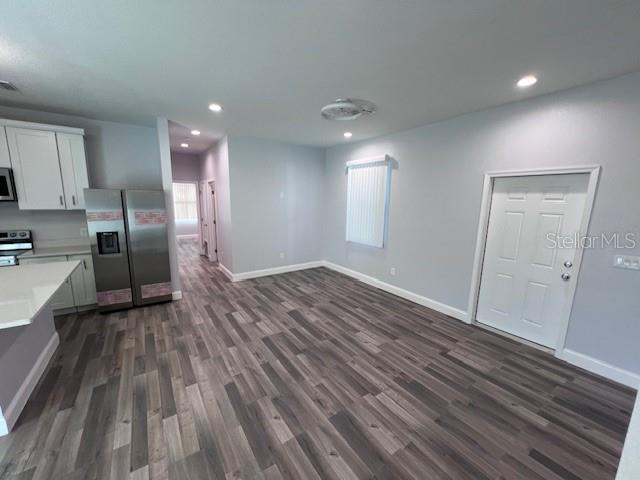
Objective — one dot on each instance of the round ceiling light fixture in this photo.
(184, 145)
(348, 134)
(347, 109)
(215, 107)
(527, 81)
(195, 132)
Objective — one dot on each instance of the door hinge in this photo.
(216, 250)
(214, 222)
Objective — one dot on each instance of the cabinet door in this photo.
(36, 170)
(73, 166)
(63, 298)
(83, 281)
(5, 162)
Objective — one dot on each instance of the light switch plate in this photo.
(627, 262)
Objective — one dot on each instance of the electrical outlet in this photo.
(627, 262)
(393, 271)
(281, 254)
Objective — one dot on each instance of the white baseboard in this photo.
(599, 367)
(238, 277)
(400, 292)
(24, 392)
(584, 361)
(190, 235)
(177, 295)
(228, 273)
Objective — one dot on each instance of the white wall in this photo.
(164, 147)
(276, 203)
(436, 191)
(215, 166)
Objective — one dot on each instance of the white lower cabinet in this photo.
(83, 281)
(80, 288)
(64, 296)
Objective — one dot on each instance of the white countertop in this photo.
(26, 289)
(40, 252)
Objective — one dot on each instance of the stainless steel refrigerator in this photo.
(129, 246)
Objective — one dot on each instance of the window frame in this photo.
(380, 160)
(195, 202)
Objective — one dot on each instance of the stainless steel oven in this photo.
(7, 187)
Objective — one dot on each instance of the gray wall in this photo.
(50, 228)
(118, 155)
(185, 167)
(436, 192)
(19, 350)
(215, 166)
(276, 195)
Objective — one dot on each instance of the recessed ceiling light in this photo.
(215, 107)
(348, 134)
(195, 132)
(184, 145)
(527, 81)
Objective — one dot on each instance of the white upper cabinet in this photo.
(36, 169)
(49, 164)
(5, 162)
(73, 165)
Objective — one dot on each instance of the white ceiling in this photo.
(179, 134)
(273, 64)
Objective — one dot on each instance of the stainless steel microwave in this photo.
(7, 187)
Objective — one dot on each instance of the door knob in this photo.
(565, 276)
(568, 263)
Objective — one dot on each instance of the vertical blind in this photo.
(367, 199)
(185, 198)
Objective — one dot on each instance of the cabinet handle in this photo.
(73, 199)
(84, 263)
(61, 200)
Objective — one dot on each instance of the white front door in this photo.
(529, 260)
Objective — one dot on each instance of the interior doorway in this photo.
(185, 202)
(209, 240)
(528, 255)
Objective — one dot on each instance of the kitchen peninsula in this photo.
(28, 338)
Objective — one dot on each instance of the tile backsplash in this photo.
(50, 228)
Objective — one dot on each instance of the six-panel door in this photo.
(534, 224)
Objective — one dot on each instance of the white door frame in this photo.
(202, 215)
(212, 216)
(483, 225)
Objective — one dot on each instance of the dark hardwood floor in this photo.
(307, 375)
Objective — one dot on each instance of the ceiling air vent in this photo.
(347, 109)
(8, 86)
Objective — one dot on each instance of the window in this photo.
(185, 200)
(367, 199)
